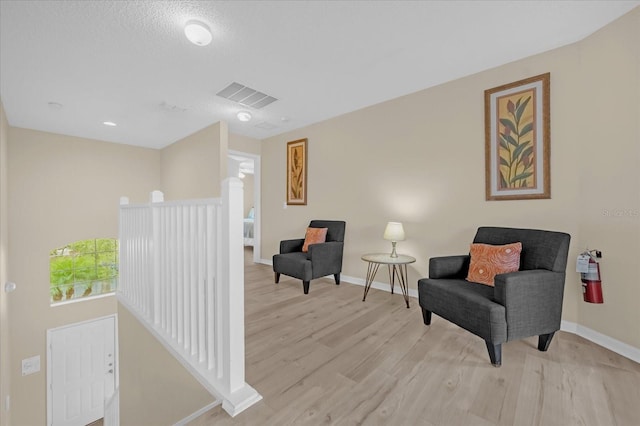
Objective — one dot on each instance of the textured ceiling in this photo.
(129, 62)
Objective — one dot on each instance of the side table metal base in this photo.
(397, 269)
(372, 270)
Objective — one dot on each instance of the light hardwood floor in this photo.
(329, 358)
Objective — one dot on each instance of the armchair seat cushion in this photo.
(294, 264)
(467, 304)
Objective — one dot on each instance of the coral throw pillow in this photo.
(487, 261)
(314, 236)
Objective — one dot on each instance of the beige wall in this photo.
(195, 166)
(608, 151)
(154, 388)
(244, 144)
(5, 378)
(419, 159)
(61, 189)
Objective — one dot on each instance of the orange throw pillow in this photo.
(487, 261)
(314, 236)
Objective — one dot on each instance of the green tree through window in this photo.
(82, 269)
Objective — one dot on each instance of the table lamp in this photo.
(394, 232)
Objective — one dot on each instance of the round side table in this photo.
(397, 267)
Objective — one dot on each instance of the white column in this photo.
(239, 395)
(233, 282)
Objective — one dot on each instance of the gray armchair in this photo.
(321, 260)
(522, 304)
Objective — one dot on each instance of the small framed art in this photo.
(297, 172)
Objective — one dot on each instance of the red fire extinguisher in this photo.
(592, 282)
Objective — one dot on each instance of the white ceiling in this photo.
(129, 62)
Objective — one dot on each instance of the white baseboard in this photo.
(603, 340)
(197, 414)
(377, 285)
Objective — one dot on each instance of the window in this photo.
(83, 269)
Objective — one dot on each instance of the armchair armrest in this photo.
(532, 301)
(326, 258)
(449, 266)
(290, 246)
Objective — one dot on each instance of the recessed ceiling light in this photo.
(244, 116)
(109, 123)
(198, 33)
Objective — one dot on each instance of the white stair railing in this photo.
(182, 276)
(112, 410)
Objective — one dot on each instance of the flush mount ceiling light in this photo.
(198, 33)
(244, 116)
(109, 123)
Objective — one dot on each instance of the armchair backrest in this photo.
(540, 249)
(335, 228)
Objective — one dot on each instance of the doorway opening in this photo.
(246, 166)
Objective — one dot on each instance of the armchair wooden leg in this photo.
(543, 341)
(305, 285)
(277, 277)
(426, 316)
(495, 353)
(337, 277)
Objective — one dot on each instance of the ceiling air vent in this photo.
(246, 96)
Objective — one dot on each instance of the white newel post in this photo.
(241, 395)
(233, 259)
(156, 196)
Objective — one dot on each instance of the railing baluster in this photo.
(211, 271)
(179, 282)
(165, 267)
(174, 271)
(186, 279)
(193, 278)
(217, 291)
(201, 280)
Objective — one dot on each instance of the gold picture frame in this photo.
(517, 140)
(297, 172)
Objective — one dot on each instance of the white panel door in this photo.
(82, 371)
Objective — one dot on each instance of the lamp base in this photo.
(393, 250)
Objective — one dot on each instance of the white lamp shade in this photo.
(198, 33)
(394, 232)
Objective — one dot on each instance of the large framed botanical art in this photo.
(517, 140)
(297, 172)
